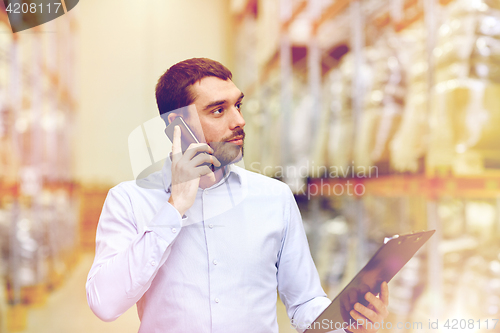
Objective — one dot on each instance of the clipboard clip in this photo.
(387, 239)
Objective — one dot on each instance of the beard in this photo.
(228, 152)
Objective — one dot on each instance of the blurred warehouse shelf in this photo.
(39, 199)
(388, 119)
(383, 117)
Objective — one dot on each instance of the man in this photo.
(207, 248)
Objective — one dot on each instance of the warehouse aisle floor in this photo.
(66, 310)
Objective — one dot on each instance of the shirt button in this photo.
(211, 226)
(215, 262)
(153, 263)
(174, 230)
(216, 300)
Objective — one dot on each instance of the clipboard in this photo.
(384, 264)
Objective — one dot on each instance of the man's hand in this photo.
(368, 317)
(187, 170)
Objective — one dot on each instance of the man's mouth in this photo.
(237, 140)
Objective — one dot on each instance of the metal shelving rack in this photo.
(41, 102)
(430, 186)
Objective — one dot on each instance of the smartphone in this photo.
(187, 136)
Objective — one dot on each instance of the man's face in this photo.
(217, 118)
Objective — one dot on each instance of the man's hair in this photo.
(173, 88)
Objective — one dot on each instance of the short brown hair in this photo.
(172, 89)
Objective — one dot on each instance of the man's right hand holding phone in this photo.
(187, 170)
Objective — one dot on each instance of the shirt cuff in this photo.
(167, 223)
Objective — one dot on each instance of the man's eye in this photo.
(218, 111)
(238, 106)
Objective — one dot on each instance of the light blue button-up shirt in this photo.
(216, 269)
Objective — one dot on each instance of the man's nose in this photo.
(237, 119)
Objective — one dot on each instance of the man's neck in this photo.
(207, 181)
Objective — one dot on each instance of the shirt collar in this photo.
(232, 171)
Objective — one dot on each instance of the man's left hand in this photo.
(368, 317)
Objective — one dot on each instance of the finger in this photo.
(204, 158)
(369, 314)
(195, 148)
(360, 320)
(344, 301)
(203, 170)
(384, 293)
(176, 145)
(353, 297)
(215, 161)
(346, 305)
(378, 305)
(211, 175)
(363, 289)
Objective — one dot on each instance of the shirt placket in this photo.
(210, 202)
(205, 206)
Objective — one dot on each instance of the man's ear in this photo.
(171, 116)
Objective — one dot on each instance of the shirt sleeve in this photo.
(298, 280)
(126, 261)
